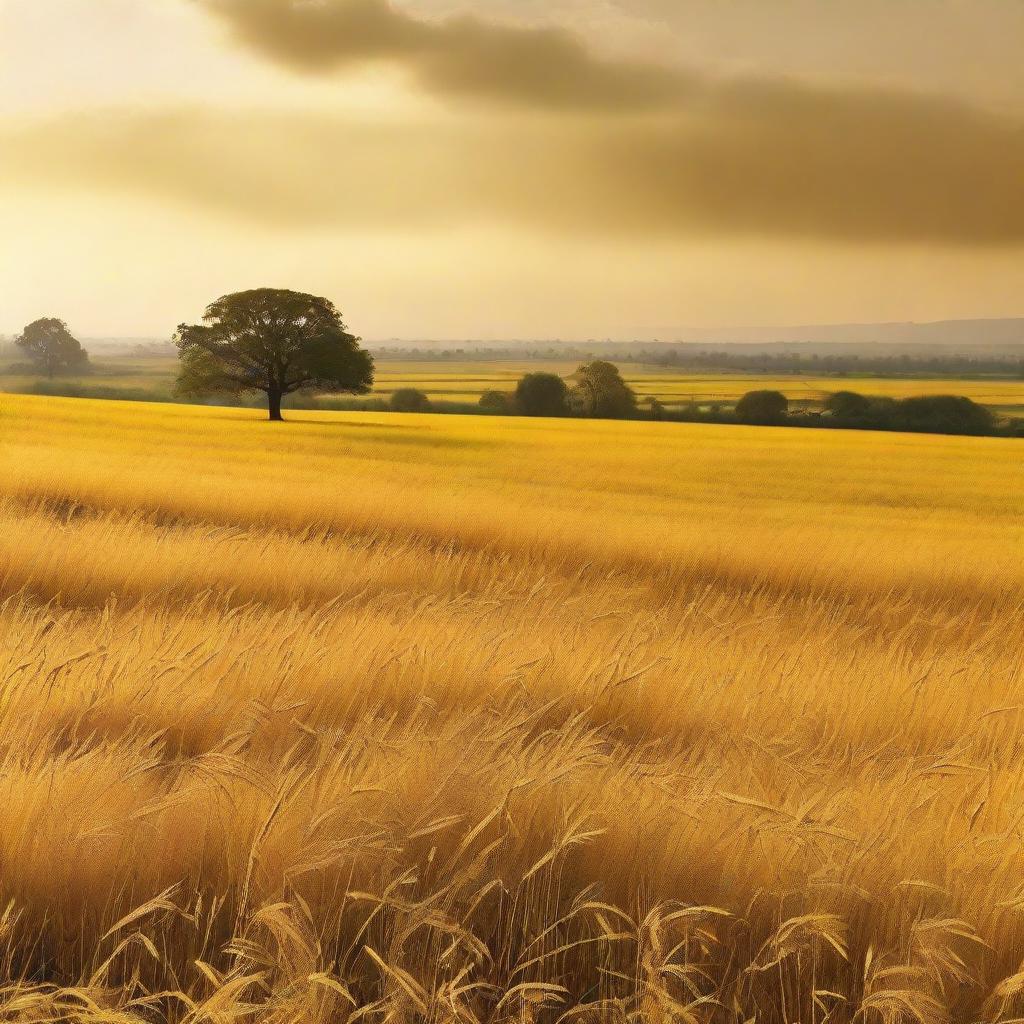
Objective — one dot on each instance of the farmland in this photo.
(462, 382)
(149, 378)
(417, 717)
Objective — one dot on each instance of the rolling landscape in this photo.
(420, 603)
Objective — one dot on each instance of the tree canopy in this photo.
(409, 400)
(601, 392)
(272, 341)
(52, 347)
(495, 402)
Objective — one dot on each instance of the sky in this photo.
(512, 168)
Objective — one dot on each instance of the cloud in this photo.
(460, 57)
(759, 159)
(684, 153)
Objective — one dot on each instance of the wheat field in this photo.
(414, 718)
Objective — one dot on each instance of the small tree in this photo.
(409, 400)
(656, 409)
(601, 392)
(275, 341)
(495, 402)
(52, 348)
(764, 408)
(542, 394)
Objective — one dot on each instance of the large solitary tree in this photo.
(52, 347)
(275, 341)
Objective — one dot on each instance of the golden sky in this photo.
(512, 168)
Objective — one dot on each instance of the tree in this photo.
(275, 341)
(764, 408)
(656, 409)
(52, 347)
(409, 400)
(601, 392)
(495, 402)
(542, 394)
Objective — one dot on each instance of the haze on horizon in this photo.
(512, 168)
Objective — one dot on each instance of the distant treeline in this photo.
(849, 410)
(766, 359)
(903, 364)
(598, 391)
(740, 359)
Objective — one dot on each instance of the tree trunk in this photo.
(274, 403)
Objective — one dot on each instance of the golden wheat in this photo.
(446, 719)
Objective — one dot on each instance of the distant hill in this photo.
(988, 335)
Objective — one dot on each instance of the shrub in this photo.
(542, 394)
(496, 402)
(409, 400)
(943, 414)
(762, 407)
(848, 405)
(656, 409)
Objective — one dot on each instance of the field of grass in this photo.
(139, 378)
(415, 718)
(153, 378)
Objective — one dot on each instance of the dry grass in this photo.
(446, 719)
